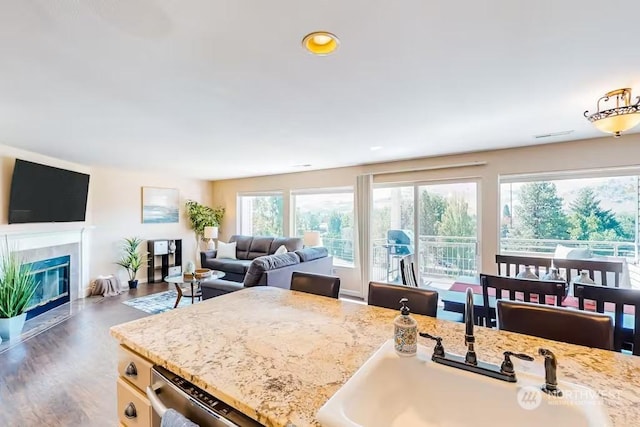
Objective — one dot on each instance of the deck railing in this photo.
(453, 256)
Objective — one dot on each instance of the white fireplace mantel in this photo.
(23, 237)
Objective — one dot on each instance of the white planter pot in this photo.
(12, 327)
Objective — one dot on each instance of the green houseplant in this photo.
(202, 216)
(131, 260)
(17, 287)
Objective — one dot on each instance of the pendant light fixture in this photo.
(618, 119)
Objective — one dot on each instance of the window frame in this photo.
(324, 191)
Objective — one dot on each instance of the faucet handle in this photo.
(507, 364)
(438, 350)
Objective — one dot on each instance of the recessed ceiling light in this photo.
(375, 148)
(320, 43)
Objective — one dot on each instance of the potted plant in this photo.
(131, 260)
(17, 286)
(202, 216)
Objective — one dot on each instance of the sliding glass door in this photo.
(392, 226)
(434, 222)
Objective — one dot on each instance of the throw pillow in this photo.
(281, 250)
(226, 250)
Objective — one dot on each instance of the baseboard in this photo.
(351, 293)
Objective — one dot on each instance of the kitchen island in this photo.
(278, 355)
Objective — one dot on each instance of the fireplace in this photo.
(52, 278)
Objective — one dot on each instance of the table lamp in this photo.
(209, 234)
(312, 238)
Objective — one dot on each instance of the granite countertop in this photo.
(278, 355)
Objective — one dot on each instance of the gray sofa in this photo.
(248, 248)
(273, 270)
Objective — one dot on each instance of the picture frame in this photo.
(160, 205)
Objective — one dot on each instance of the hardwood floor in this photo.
(66, 375)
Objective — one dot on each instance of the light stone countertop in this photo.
(278, 355)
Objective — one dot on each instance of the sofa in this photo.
(273, 270)
(248, 248)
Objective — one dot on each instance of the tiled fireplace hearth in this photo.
(60, 255)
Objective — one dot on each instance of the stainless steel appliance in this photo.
(169, 390)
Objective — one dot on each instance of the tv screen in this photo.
(41, 193)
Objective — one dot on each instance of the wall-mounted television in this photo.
(41, 193)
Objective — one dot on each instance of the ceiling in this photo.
(219, 89)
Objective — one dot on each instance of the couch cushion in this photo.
(238, 266)
(221, 284)
(242, 248)
(291, 243)
(259, 247)
(266, 263)
(309, 254)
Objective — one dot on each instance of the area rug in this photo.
(158, 303)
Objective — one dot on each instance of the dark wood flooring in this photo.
(66, 375)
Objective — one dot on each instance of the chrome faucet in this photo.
(470, 362)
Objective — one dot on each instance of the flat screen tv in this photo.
(41, 193)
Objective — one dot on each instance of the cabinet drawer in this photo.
(136, 369)
(134, 410)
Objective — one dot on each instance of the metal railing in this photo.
(440, 256)
(453, 256)
(341, 249)
(548, 246)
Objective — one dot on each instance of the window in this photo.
(331, 213)
(598, 212)
(261, 214)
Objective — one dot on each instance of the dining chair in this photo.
(509, 265)
(573, 267)
(520, 288)
(407, 271)
(388, 295)
(317, 284)
(556, 323)
(617, 302)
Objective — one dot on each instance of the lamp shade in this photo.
(312, 238)
(210, 232)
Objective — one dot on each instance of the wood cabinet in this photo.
(134, 409)
(163, 253)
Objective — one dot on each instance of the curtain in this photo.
(364, 184)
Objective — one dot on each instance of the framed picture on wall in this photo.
(160, 205)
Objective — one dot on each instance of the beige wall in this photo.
(577, 155)
(116, 213)
(113, 209)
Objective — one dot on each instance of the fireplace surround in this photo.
(45, 245)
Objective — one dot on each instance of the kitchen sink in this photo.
(393, 391)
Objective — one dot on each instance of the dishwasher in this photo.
(169, 390)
